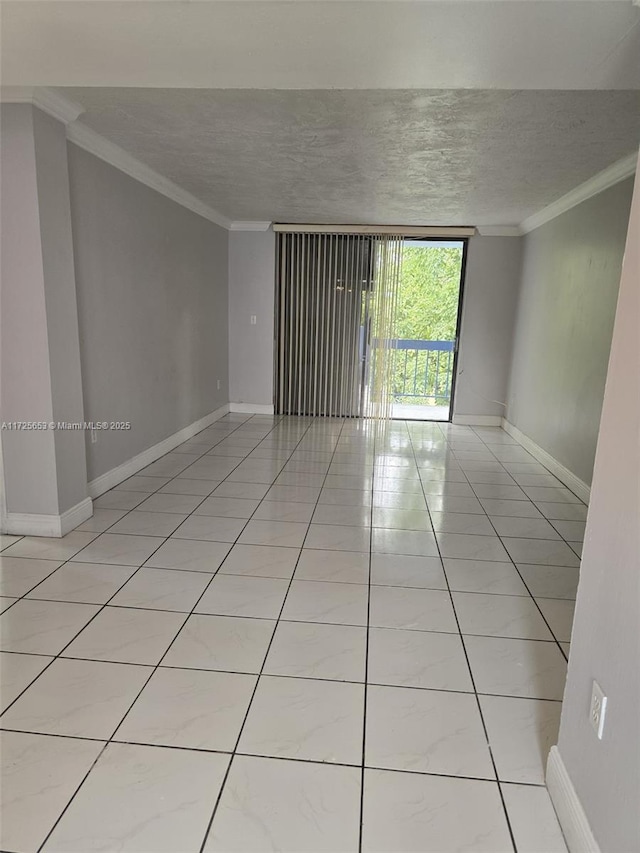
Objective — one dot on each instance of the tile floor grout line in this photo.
(188, 615)
(366, 653)
(335, 439)
(537, 462)
(303, 677)
(154, 669)
(78, 788)
(177, 476)
(533, 598)
(514, 564)
(59, 655)
(475, 692)
(259, 675)
(316, 762)
(329, 551)
(160, 476)
(101, 532)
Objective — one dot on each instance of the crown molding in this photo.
(86, 138)
(242, 225)
(603, 180)
(67, 111)
(499, 231)
(47, 100)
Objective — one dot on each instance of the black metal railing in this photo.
(423, 372)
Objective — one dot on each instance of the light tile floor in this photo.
(295, 635)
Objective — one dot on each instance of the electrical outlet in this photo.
(254, 319)
(219, 384)
(94, 436)
(598, 709)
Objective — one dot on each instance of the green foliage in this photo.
(428, 297)
(427, 310)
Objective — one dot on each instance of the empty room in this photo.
(320, 426)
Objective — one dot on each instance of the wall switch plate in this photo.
(598, 709)
(219, 384)
(254, 319)
(94, 436)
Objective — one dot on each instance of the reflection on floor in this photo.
(189, 670)
(402, 412)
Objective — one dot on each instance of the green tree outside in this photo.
(427, 310)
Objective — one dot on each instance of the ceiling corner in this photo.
(47, 100)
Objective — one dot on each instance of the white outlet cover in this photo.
(598, 709)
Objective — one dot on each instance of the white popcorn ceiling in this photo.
(451, 157)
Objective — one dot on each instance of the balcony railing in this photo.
(423, 372)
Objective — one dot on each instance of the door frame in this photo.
(456, 346)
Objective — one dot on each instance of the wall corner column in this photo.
(45, 474)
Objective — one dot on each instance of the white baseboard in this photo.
(76, 515)
(477, 420)
(251, 408)
(122, 472)
(36, 524)
(571, 817)
(575, 484)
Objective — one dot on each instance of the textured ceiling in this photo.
(377, 156)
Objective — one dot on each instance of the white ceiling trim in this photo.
(245, 225)
(603, 180)
(50, 102)
(499, 231)
(90, 141)
(67, 111)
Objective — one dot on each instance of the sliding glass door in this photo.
(366, 324)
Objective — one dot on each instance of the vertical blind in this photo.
(336, 300)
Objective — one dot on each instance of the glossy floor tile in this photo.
(426, 731)
(411, 812)
(124, 801)
(84, 583)
(42, 627)
(533, 820)
(316, 650)
(418, 659)
(521, 733)
(17, 671)
(40, 774)
(305, 718)
(18, 575)
(77, 698)
(296, 635)
(189, 708)
(287, 806)
(127, 635)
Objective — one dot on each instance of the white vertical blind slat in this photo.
(334, 290)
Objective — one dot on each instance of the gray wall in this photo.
(571, 274)
(152, 303)
(44, 470)
(251, 292)
(60, 298)
(493, 270)
(606, 631)
(488, 316)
